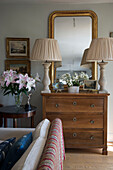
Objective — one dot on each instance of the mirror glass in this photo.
(74, 31)
(74, 35)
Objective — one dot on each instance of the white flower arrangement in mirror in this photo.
(73, 80)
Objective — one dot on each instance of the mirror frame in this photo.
(66, 13)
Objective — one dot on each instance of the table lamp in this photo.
(46, 50)
(101, 49)
(84, 63)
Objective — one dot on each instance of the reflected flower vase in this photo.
(18, 99)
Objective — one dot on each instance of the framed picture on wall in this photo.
(111, 34)
(90, 85)
(21, 66)
(17, 48)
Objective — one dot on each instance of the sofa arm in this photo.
(6, 133)
(54, 153)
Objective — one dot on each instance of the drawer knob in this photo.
(92, 137)
(74, 135)
(74, 103)
(57, 105)
(92, 121)
(92, 105)
(74, 119)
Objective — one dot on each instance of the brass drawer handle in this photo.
(57, 105)
(74, 119)
(74, 135)
(92, 105)
(92, 121)
(92, 137)
(74, 103)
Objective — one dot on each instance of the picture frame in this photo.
(111, 34)
(17, 48)
(21, 66)
(90, 85)
(58, 87)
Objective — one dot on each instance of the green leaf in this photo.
(6, 93)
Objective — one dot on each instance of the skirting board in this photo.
(110, 137)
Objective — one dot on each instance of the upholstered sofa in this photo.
(46, 152)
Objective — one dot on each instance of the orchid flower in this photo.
(84, 76)
(69, 80)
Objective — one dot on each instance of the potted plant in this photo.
(71, 81)
(82, 76)
(74, 81)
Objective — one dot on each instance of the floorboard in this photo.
(93, 159)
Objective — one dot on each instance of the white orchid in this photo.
(73, 80)
(69, 80)
(84, 76)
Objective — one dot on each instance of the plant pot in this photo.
(73, 89)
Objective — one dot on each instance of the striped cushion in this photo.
(54, 153)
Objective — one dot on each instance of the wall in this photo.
(32, 21)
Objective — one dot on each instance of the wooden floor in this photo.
(89, 159)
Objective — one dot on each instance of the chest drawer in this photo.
(85, 138)
(74, 105)
(83, 115)
(72, 120)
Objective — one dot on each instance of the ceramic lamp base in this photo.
(46, 91)
(102, 80)
(104, 91)
(46, 79)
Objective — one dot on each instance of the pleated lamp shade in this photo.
(46, 50)
(84, 63)
(100, 49)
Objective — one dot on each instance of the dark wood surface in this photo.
(15, 113)
(84, 118)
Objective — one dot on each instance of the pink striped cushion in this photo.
(54, 153)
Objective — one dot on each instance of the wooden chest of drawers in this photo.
(84, 118)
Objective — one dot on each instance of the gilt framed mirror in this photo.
(74, 31)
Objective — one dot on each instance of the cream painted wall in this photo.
(32, 21)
